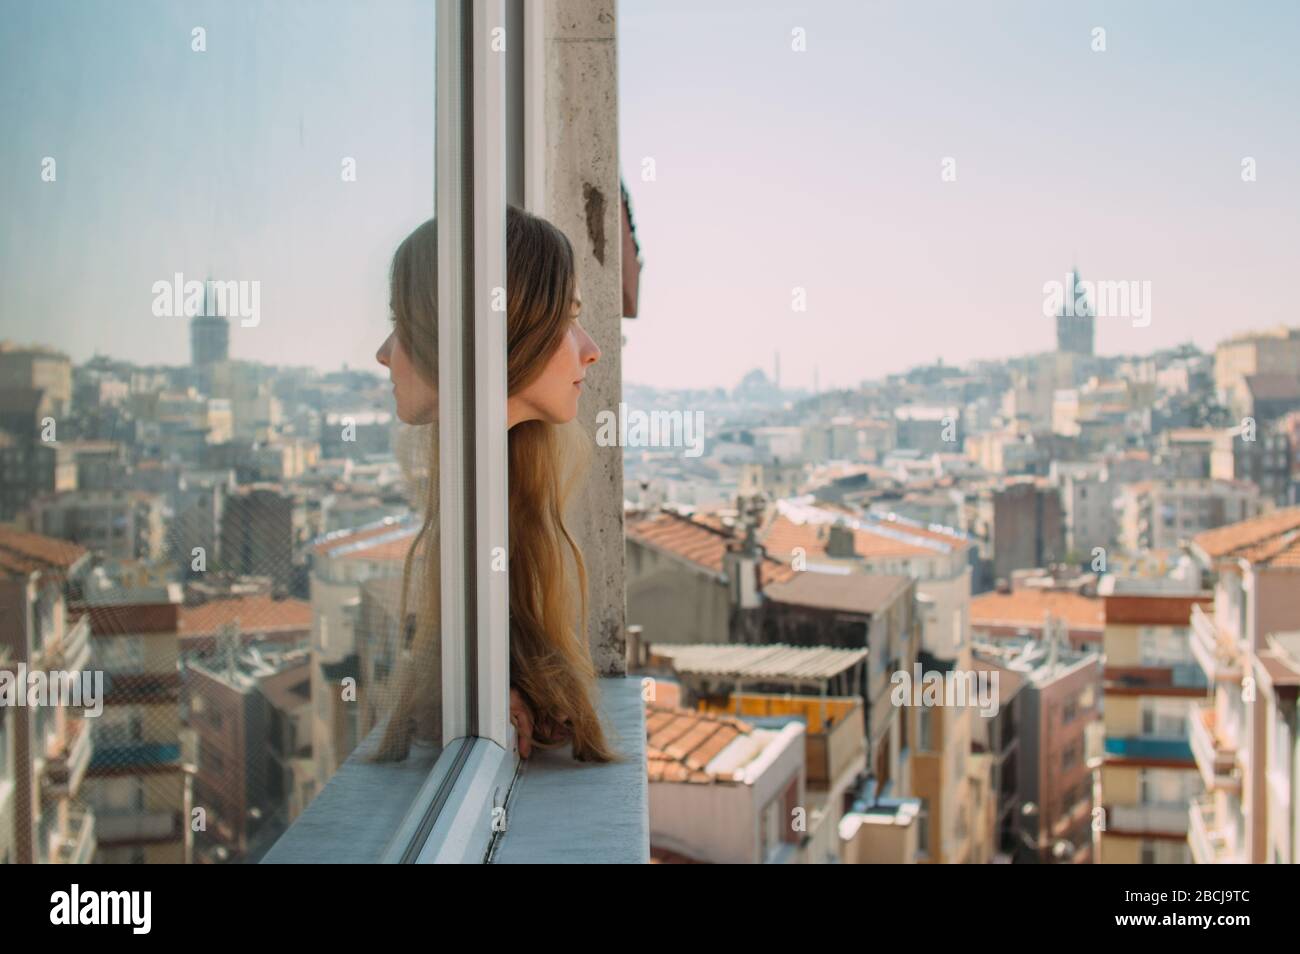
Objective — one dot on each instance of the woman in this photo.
(548, 355)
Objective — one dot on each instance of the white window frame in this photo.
(456, 813)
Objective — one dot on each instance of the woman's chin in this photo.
(413, 420)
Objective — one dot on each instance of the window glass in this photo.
(199, 275)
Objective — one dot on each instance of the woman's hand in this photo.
(528, 726)
(521, 717)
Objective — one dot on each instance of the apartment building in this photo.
(341, 563)
(939, 561)
(247, 712)
(836, 439)
(679, 588)
(1099, 414)
(723, 791)
(1242, 741)
(49, 746)
(135, 784)
(929, 429)
(1277, 675)
(996, 740)
(835, 758)
(1275, 351)
(1149, 775)
(773, 687)
(1019, 525)
(1046, 785)
(1007, 452)
(1193, 447)
(1261, 457)
(1165, 514)
(1031, 612)
(119, 524)
(874, 612)
(257, 533)
(31, 467)
(1088, 509)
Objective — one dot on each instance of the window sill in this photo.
(356, 814)
(566, 812)
(558, 810)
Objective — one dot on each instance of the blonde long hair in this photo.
(550, 663)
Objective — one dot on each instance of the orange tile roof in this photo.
(391, 550)
(782, 534)
(696, 542)
(258, 613)
(22, 553)
(1026, 608)
(392, 540)
(681, 537)
(347, 538)
(713, 521)
(1272, 539)
(681, 742)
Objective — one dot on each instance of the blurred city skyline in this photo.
(822, 170)
(773, 171)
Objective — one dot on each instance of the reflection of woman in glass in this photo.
(552, 678)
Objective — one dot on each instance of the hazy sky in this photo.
(774, 170)
(821, 169)
(226, 162)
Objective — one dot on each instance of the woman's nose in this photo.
(590, 350)
(382, 354)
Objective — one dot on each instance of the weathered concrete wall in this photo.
(582, 190)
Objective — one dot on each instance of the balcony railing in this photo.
(1156, 817)
(1148, 748)
(1215, 756)
(1186, 675)
(1211, 843)
(67, 763)
(137, 755)
(1214, 655)
(79, 847)
(74, 655)
(135, 827)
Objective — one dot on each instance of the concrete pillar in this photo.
(582, 198)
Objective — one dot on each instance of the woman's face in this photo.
(417, 401)
(553, 395)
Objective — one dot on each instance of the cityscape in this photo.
(936, 489)
(1111, 540)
